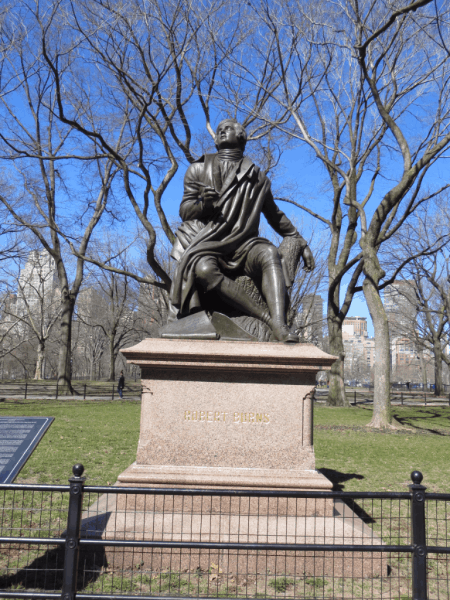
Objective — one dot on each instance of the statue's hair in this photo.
(241, 134)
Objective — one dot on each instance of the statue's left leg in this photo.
(265, 260)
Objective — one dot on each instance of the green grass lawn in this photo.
(101, 435)
(104, 436)
(361, 459)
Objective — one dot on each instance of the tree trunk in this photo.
(65, 351)
(112, 358)
(40, 360)
(336, 392)
(437, 367)
(382, 413)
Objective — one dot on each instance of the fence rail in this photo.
(82, 390)
(398, 397)
(108, 390)
(80, 541)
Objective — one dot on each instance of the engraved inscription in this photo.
(212, 416)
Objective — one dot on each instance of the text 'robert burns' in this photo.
(212, 416)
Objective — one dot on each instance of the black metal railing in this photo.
(81, 541)
(39, 389)
(397, 397)
(82, 390)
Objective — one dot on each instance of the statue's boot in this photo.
(210, 277)
(235, 296)
(282, 333)
(274, 290)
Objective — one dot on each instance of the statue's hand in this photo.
(308, 259)
(209, 195)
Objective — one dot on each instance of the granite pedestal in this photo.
(218, 414)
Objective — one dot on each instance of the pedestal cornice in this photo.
(224, 355)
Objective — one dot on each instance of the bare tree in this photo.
(431, 329)
(149, 62)
(404, 64)
(118, 296)
(314, 94)
(423, 287)
(421, 321)
(433, 323)
(344, 79)
(91, 342)
(12, 339)
(55, 184)
(36, 306)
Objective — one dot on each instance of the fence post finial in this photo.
(77, 470)
(416, 478)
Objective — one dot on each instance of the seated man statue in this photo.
(224, 196)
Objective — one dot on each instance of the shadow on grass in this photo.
(426, 415)
(45, 573)
(337, 478)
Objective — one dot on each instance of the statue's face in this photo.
(226, 135)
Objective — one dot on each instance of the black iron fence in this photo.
(413, 386)
(80, 541)
(397, 396)
(108, 390)
(82, 390)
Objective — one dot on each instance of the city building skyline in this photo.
(354, 326)
(359, 347)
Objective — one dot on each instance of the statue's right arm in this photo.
(191, 207)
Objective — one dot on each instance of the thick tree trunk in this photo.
(65, 351)
(336, 392)
(40, 360)
(112, 359)
(382, 413)
(437, 368)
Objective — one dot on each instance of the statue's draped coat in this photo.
(226, 229)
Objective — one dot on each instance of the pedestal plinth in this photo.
(218, 413)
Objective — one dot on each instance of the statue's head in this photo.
(229, 134)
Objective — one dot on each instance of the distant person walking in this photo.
(121, 384)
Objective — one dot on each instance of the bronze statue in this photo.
(224, 196)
